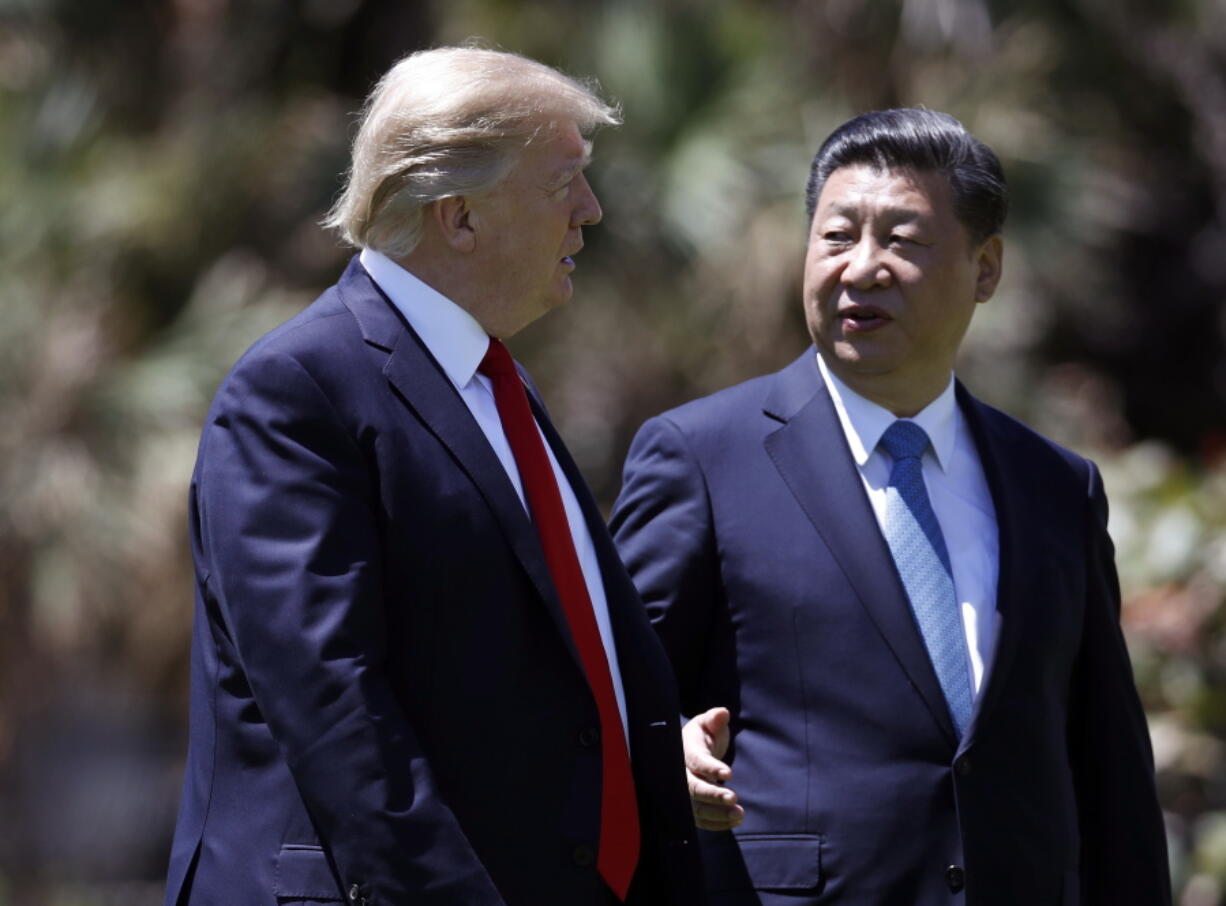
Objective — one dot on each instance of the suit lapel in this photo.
(811, 453)
(618, 587)
(606, 556)
(420, 381)
(632, 633)
(1009, 497)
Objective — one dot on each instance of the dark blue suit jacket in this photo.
(386, 704)
(744, 522)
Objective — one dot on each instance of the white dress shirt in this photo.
(459, 343)
(960, 498)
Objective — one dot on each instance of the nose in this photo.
(587, 208)
(864, 268)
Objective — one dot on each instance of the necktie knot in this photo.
(497, 361)
(904, 440)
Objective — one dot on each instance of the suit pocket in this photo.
(782, 861)
(304, 873)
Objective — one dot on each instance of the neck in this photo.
(446, 278)
(903, 399)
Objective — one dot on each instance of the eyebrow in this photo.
(898, 214)
(567, 173)
(576, 165)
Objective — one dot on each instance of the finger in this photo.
(708, 767)
(713, 717)
(717, 819)
(713, 724)
(711, 793)
(713, 721)
(711, 813)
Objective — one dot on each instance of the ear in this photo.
(452, 216)
(989, 260)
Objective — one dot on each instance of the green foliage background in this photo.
(163, 168)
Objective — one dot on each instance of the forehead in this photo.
(863, 188)
(557, 146)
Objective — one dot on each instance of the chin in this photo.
(563, 295)
(851, 363)
(866, 365)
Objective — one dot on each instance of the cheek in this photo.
(817, 310)
(817, 275)
(820, 283)
(909, 272)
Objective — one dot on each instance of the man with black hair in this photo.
(892, 610)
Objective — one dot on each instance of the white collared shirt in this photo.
(960, 498)
(459, 343)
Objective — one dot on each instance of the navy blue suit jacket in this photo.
(386, 704)
(745, 524)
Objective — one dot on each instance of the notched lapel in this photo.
(619, 590)
(1006, 483)
(641, 657)
(420, 381)
(811, 453)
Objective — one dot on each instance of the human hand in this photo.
(705, 739)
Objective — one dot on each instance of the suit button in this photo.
(963, 766)
(955, 877)
(589, 736)
(584, 855)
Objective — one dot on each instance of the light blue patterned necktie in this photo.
(915, 540)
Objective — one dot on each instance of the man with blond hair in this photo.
(420, 674)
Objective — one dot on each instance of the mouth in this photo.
(569, 260)
(863, 317)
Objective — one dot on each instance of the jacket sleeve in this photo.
(288, 527)
(1124, 853)
(662, 525)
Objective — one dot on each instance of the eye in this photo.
(563, 189)
(836, 237)
(906, 243)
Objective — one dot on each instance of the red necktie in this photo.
(618, 851)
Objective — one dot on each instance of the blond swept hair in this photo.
(445, 122)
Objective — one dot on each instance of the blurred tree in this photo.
(164, 166)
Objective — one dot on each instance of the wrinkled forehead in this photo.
(561, 135)
(547, 153)
(867, 184)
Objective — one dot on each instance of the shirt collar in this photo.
(864, 421)
(453, 336)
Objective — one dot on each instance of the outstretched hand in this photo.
(705, 739)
